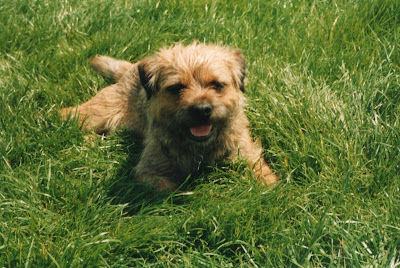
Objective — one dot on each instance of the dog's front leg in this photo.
(104, 112)
(251, 150)
(264, 173)
(154, 167)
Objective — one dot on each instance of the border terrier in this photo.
(186, 102)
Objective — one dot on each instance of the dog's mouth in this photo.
(201, 132)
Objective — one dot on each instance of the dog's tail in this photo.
(110, 68)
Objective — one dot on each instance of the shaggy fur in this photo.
(187, 103)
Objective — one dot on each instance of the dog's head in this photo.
(194, 91)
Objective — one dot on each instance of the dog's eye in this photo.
(175, 89)
(217, 85)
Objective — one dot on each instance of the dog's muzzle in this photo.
(200, 112)
(201, 127)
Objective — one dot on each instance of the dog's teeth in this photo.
(201, 131)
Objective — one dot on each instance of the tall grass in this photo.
(323, 97)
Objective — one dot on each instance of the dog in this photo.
(187, 103)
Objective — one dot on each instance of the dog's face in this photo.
(193, 92)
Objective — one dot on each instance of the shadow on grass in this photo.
(125, 189)
(137, 195)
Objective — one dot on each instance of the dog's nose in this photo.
(201, 111)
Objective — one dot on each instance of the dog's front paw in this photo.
(158, 183)
(265, 174)
(269, 179)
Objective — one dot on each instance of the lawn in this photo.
(323, 94)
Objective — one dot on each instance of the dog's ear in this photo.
(147, 77)
(240, 70)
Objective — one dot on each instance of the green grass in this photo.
(324, 99)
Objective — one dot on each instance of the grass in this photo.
(324, 99)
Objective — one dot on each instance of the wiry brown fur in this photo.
(142, 100)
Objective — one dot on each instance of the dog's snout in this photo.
(201, 111)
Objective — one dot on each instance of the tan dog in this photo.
(187, 103)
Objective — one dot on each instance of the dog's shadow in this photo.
(136, 196)
(126, 190)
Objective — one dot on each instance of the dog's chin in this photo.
(201, 133)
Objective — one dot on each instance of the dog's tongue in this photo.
(200, 131)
